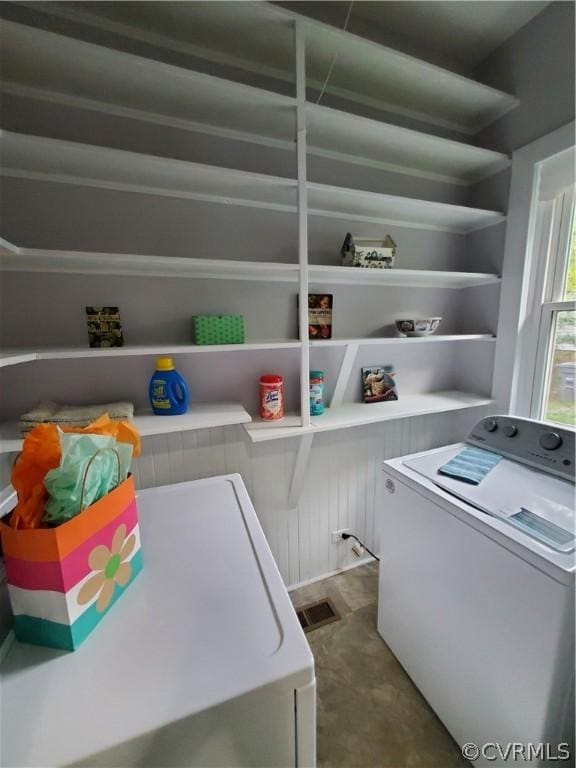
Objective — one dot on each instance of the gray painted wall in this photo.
(537, 65)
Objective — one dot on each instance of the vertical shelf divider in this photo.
(300, 51)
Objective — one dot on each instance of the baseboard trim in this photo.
(362, 561)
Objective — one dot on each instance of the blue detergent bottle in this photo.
(168, 390)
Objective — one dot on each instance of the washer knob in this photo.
(550, 441)
(510, 430)
(490, 425)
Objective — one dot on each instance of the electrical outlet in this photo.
(337, 535)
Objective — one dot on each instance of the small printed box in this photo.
(218, 329)
(378, 384)
(104, 327)
(369, 254)
(320, 315)
(62, 581)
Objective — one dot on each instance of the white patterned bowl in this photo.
(424, 326)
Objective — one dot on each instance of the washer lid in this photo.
(509, 486)
(207, 620)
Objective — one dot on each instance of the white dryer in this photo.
(476, 595)
(203, 663)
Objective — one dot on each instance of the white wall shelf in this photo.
(410, 86)
(341, 203)
(415, 278)
(343, 136)
(168, 95)
(35, 157)
(16, 357)
(259, 41)
(199, 416)
(409, 341)
(148, 89)
(11, 357)
(16, 259)
(357, 414)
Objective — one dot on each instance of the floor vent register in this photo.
(317, 614)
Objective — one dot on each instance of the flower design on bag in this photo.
(111, 569)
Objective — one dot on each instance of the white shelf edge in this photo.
(404, 340)
(163, 41)
(358, 414)
(490, 218)
(10, 357)
(142, 189)
(414, 171)
(96, 53)
(199, 416)
(16, 259)
(415, 278)
(112, 152)
(493, 162)
(95, 105)
(352, 415)
(224, 185)
(169, 69)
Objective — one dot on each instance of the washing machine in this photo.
(476, 593)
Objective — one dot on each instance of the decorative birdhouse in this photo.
(368, 253)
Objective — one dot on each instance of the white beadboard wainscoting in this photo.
(343, 487)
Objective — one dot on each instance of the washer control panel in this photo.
(547, 447)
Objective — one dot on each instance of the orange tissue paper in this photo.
(41, 453)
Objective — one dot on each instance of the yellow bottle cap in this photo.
(164, 364)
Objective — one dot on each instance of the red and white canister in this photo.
(271, 397)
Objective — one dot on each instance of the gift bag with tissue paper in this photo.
(64, 575)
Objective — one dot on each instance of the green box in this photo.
(218, 329)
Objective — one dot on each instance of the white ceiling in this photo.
(456, 33)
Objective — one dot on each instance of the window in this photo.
(536, 315)
(554, 391)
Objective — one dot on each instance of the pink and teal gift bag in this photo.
(63, 580)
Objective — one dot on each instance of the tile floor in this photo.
(370, 714)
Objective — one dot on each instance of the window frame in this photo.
(552, 302)
(522, 342)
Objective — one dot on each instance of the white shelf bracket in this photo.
(300, 469)
(344, 374)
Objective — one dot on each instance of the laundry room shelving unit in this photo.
(264, 42)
